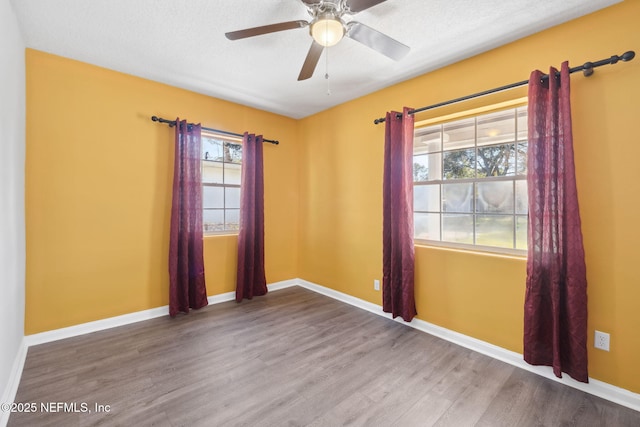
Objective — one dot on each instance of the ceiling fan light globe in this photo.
(327, 31)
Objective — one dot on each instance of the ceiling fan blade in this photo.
(311, 61)
(265, 29)
(377, 41)
(360, 5)
(311, 1)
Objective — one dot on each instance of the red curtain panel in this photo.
(398, 252)
(251, 280)
(186, 264)
(555, 322)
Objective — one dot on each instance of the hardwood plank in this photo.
(292, 357)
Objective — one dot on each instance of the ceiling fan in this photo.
(327, 27)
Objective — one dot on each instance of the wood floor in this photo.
(290, 358)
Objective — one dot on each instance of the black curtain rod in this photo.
(587, 68)
(172, 123)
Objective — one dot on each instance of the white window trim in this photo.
(473, 248)
(226, 138)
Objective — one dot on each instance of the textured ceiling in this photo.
(182, 42)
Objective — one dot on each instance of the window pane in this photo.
(459, 134)
(232, 197)
(232, 174)
(522, 198)
(522, 123)
(420, 168)
(232, 219)
(213, 220)
(496, 127)
(495, 197)
(522, 158)
(457, 228)
(427, 140)
(494, 230)
(426, 226)
(212, 197)
(233, 152)
(457, 197)
(426, 198)
(212, 172)
(212, 149)
(521, 232)
(427, 167)
(497, 160)
(460, 164)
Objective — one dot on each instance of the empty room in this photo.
(319, 213)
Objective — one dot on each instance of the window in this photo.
(470, 185)
(221, 171)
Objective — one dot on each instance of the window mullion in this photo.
(475, 182)
(515, 222)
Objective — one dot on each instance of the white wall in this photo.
(12, 223)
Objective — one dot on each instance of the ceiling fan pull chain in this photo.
(326, 68)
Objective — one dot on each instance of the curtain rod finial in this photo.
(628, 56)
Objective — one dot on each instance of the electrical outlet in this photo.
(376, 285)
(601, 340)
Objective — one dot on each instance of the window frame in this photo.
(514, 105)
(230, 140)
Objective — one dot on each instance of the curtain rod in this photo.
(587, 68)
(172, 123)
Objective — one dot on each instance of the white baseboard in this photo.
(11, 387)
(127, 319)
(283, 285)
(95, 326)
(595, 387)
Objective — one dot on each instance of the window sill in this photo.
(472, 249)
(220, 234)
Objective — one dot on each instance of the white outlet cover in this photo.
(601, 340)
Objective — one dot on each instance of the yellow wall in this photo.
(98, 179)
(98, 192)
(477, 294)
